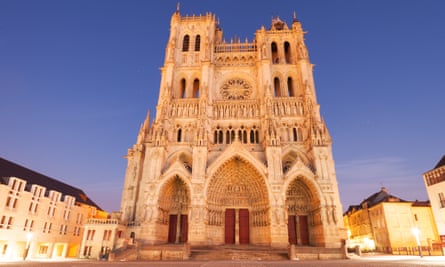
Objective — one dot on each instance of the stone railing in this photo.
(184, 108)
(102, 221)
(235, 47)
(233, 109)
(288, 106)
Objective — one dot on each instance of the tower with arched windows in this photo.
(238, 152)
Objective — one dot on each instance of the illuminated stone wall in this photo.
(388, 227)
(40, 223)
(237, 148)
(435, 186)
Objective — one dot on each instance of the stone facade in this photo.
(238, 152)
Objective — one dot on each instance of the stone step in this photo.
(238, 253)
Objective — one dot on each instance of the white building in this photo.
(40, 217)
(435, 186)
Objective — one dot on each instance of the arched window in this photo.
(197, 42)
(287, 53)
(196, 88)
(274, 49)
(242, 134)
(186, 43)
(290, 87)
(219, 138)
(182, 88)
(227, 137)
(179, 135)
(277, 87)
(254, 139)
(230, 135)
(295, 134)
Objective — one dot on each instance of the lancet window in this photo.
(196, 88)
(287, 53)
(186, 43)
(297, 134)
(242, 135)
(182, 87)
(229, 135)
(218, 138)
(179, 135)
(274, 49)
(254, 137)
(197, 42)
(277, 87)
(290, 87)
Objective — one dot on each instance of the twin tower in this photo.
(238, 152)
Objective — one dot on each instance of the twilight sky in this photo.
(77, 79)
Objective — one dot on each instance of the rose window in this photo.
(236, 89)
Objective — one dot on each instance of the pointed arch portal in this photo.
(298, 204)
(174, 205)
(238, 204)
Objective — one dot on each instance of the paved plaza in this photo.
(366, 261)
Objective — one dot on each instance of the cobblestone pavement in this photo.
(386, 260)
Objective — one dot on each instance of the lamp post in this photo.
(416, 233)
(28, 244)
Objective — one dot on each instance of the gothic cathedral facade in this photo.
(238, 152)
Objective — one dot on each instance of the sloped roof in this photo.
(351, 209)
(381, 196)
(440, 163)
(11, 169)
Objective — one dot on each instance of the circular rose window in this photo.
(236, 89)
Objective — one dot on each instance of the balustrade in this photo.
(235, 47)
(184, 108)
(288, 106)
(231, 109)
(102, 221)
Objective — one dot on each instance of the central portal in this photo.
(238, 205)
(237, 226)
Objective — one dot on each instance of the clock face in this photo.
(236, 89)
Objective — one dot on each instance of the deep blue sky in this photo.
(77, 79)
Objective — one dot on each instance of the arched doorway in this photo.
(238, 205)
(299, 202)
(174, 204)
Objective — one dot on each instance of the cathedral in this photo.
(238, 152)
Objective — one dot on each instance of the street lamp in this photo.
(416, 233)
(28, 244)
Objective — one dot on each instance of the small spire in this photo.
(295, 17)
(178, 6)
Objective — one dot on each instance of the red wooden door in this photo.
(304, 230)
(184, 228)
(244, 226)
(230, 226)
(172, 224)
(292, 229)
